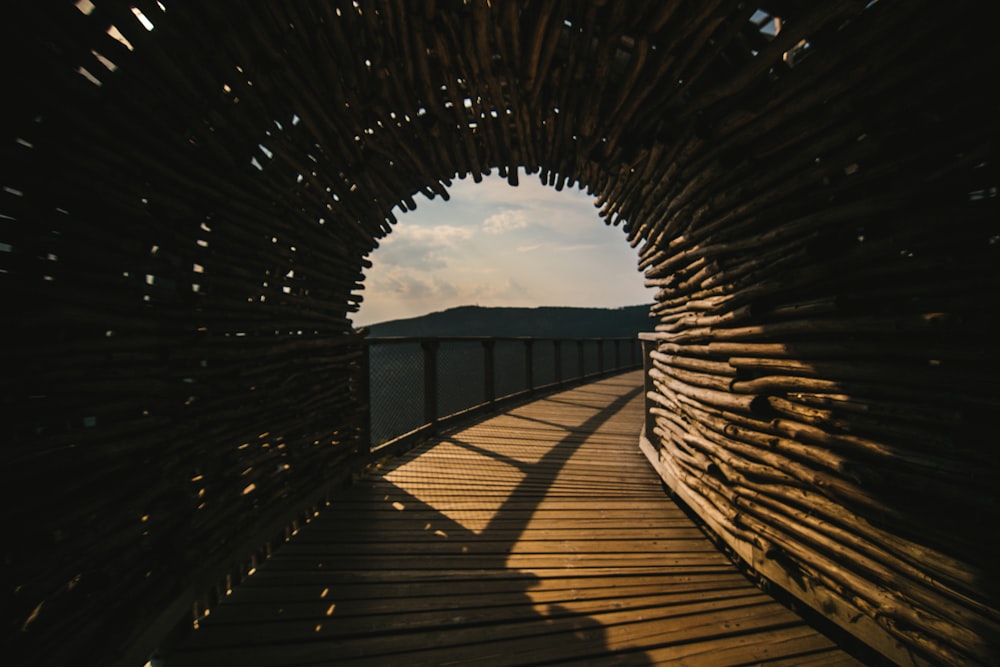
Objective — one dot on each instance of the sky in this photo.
(492, 244)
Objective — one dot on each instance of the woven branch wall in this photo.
(189, 192)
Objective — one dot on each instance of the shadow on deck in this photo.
(536, 536)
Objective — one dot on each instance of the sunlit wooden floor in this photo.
(537, 536)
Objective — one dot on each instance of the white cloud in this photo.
(438, 234)
(507, 292)
(505, 221)
(422, 247)
(579, 246)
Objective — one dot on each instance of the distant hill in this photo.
(543, 322)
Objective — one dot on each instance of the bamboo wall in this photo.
(186, 211)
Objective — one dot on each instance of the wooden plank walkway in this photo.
(537, 536)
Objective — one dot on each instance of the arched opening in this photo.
(494, 245)
(189, 193)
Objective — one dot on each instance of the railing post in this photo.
(600, 356)
(557, 346)
(489, 388)
(618, 353)
(647, 364)
(430, 381)
(579, 350)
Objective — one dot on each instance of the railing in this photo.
(648, 342)
(417, 385)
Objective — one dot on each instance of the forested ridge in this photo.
(543, 322)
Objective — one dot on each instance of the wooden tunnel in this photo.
(190, 191)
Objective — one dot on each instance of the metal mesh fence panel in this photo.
(570, 353)
(607, 348)
(628, 355)
(543, 352)
(608, 354)
(590, 357)
(397, 390)
(508, 367)
(460, 376)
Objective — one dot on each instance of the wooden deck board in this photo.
(536, 536)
